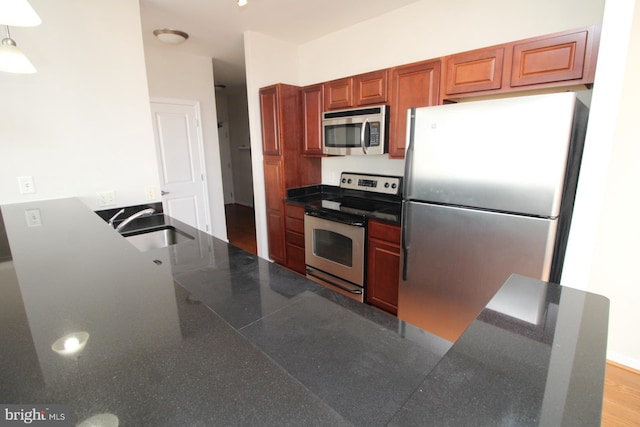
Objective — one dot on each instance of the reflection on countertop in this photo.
(204, 333)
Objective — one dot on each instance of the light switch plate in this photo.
(150, 193)
(26, 185)
(107, 198)
(33, 217)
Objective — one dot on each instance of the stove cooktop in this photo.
(362, 196)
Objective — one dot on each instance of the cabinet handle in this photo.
(162, 192)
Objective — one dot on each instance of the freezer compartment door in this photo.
(454, 260)
(508, 155)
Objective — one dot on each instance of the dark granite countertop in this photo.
(203, 333)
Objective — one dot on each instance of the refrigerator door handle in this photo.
(405, 243)
(408, 161)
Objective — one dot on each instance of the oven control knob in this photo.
(349, 181)
(394, 186)
(386, 185)
(344, 180)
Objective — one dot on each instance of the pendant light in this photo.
(16, 13)
(12, 60)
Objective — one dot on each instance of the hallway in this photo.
(241, 227)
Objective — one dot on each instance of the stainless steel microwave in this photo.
(357, 131)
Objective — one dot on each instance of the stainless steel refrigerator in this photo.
(489, 191)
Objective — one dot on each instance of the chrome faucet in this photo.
(145, 212)
(113, 218)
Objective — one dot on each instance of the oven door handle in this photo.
(356, 290)
(328, 217)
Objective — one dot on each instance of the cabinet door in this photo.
(414, 85)
(549, 60)
(383, 271)
(312, 104)
(371, 88)
(338, 94)
(275, 192)
(478, 70)
(270, 122)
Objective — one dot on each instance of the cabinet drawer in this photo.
(296, 239)
(383, 231)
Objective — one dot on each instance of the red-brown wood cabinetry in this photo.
(413, 85)
(312, 108)
(383, 265)
(284, 165)
(294, 237)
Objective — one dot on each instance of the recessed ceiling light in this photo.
(242, 2)
(167, 35)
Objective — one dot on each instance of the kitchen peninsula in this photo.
(203, 333)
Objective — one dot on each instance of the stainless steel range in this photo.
(335, 229)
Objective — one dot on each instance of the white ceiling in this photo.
(216, 27)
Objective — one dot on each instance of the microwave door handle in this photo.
(363, 132)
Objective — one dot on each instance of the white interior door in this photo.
(181, 161)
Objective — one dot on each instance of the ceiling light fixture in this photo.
(12, 60)
(18, 13)
(71, 344)
(169, 36)
(242, 2)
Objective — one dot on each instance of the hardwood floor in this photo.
(241, 227)
(621, 405)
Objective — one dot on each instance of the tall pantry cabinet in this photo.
(284, 165)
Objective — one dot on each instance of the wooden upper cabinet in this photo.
(270, 121)
(338, 94)
(312, 107)
(474, 71)
(413, 85)
(550, 59)
(553, 60)
(371, 88)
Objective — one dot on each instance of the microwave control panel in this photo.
(374, 134)
(383, 184)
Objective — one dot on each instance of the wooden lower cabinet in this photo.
(383, 265)
(294, 237)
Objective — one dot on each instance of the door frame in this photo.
(200, 146)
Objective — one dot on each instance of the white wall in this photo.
(608, 252)
(268, 61)
(173, 74)
(82, 123)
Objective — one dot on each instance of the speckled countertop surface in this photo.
(203, 333)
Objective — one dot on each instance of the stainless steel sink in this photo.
(157, 237)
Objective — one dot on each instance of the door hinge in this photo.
(201, 177)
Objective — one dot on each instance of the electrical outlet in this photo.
(150, 192)
(107, 198)
(26, 185)
(33, 217)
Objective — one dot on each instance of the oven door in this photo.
(337, 249)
